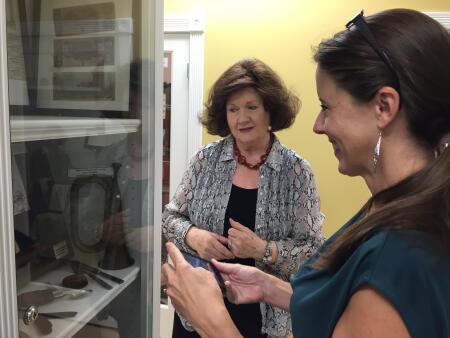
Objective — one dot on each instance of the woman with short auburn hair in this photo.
(280, 102)
(247, 199)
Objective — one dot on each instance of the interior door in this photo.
(175, 140)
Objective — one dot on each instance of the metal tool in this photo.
(98, 280)
(85, 267)
(31, 314)
(78, 269)
(45, 296)
(60, 315)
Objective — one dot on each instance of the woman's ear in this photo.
(387, 104)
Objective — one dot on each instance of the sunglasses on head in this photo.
(360, 23)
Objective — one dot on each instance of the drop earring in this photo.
(269, 128)
(377, 152)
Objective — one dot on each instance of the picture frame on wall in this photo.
(85, 50)
(17, 78)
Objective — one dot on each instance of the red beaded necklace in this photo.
(242, 160)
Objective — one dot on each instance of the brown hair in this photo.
(419, 49)
(281, 104)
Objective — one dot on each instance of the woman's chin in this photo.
(346, 170)
(341, 170)
(343, 167)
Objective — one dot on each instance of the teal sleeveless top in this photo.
(399, 265)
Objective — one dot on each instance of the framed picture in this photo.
(17, 79)
(85, 50)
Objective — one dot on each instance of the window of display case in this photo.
(83, 111)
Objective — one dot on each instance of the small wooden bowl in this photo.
(75, 281)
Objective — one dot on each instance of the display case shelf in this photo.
(34, 128)
(86, 307)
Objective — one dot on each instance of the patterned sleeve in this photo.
(175, 219)
(306, 235)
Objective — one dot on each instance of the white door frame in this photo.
(193, 27)
(177, 44)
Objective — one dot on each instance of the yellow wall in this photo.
(282, 33)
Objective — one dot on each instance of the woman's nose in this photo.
(243, 116)
(318, 127)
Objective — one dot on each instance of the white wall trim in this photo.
(194, 25)
(8, 293)
(196, 69)
(441, 17)
(32, 128)
(184, 23)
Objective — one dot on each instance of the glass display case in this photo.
(81, 167)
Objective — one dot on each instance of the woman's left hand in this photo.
(244, 243)
(194, 292)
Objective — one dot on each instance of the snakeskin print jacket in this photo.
(287, 211)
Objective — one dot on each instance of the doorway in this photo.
(183, 100)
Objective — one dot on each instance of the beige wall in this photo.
(282, 33)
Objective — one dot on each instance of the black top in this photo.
(242, 208)
(247, 317)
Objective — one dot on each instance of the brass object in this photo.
(116, 255)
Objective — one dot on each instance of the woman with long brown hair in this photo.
(384, 88)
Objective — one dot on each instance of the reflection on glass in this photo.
(85, 221)
(16, 67)
(84, 52)
(78, 20)
(82, 188)
(83, 86)
(167, 92)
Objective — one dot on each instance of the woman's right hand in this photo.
(197, 297)
(113, 228)
(244, 284)
(208, 244)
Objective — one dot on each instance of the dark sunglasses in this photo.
(363, 28)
